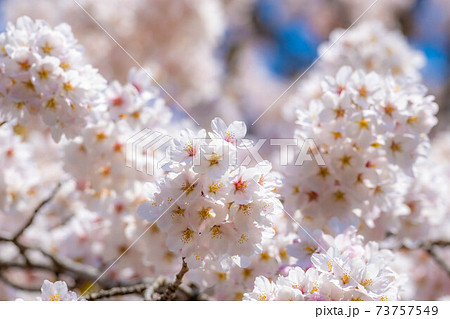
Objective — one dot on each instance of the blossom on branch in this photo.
(43, 74)
(210, 208)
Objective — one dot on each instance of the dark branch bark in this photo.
(431, 251)
(151, 290)
(35, 212)
(139, 289)
(158, 289)
(17, 286)
(172, 288)
(57, 264)
(16, 265)
(440, 243)
(147, 289)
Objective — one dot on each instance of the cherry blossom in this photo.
(57, 292)
(343, 268)
(370, 140)
(43, 73)
(200, 223)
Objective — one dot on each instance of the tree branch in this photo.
(145, 288)
(172, 288)
(158, 289)
(59, 264)
(430, 250)
(151, 290)
(192, 293)
(17, 286)
(16, 265)
(439, 243)
(35, 212)
(139, 288)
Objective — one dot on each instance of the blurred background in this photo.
(233, 58)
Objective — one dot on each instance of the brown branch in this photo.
(430, 250)
(440, 243)
(145, 288)
(151, 291)
(139, 289)
(192, 293)
(157, 290)
(172, 288)
(16, 265)
(35, 212)
(17, 286)
(59, 264)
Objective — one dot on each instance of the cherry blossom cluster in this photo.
(104, 193)
(427, 206)
(436, 172)
(343, 268)
(232, 281)
(30, 170)
(370, 130)
(102, 146)
(372, 47)
(17, 178)
(369, 46)
(91, 219)
(182, 57)
(211, 208)
(43, 72)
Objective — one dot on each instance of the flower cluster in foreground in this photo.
(43, 72)
(343, 268)
(370, 130)
(210, 207)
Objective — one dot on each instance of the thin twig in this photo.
(151, 292)
(430, 250)
(17, 286)
(35, 212)
(440, 243)
(118, 291)
(192, 293)
(16, 265)
(172, 288)
(158, 289)
(146, 288)
(60, 264)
